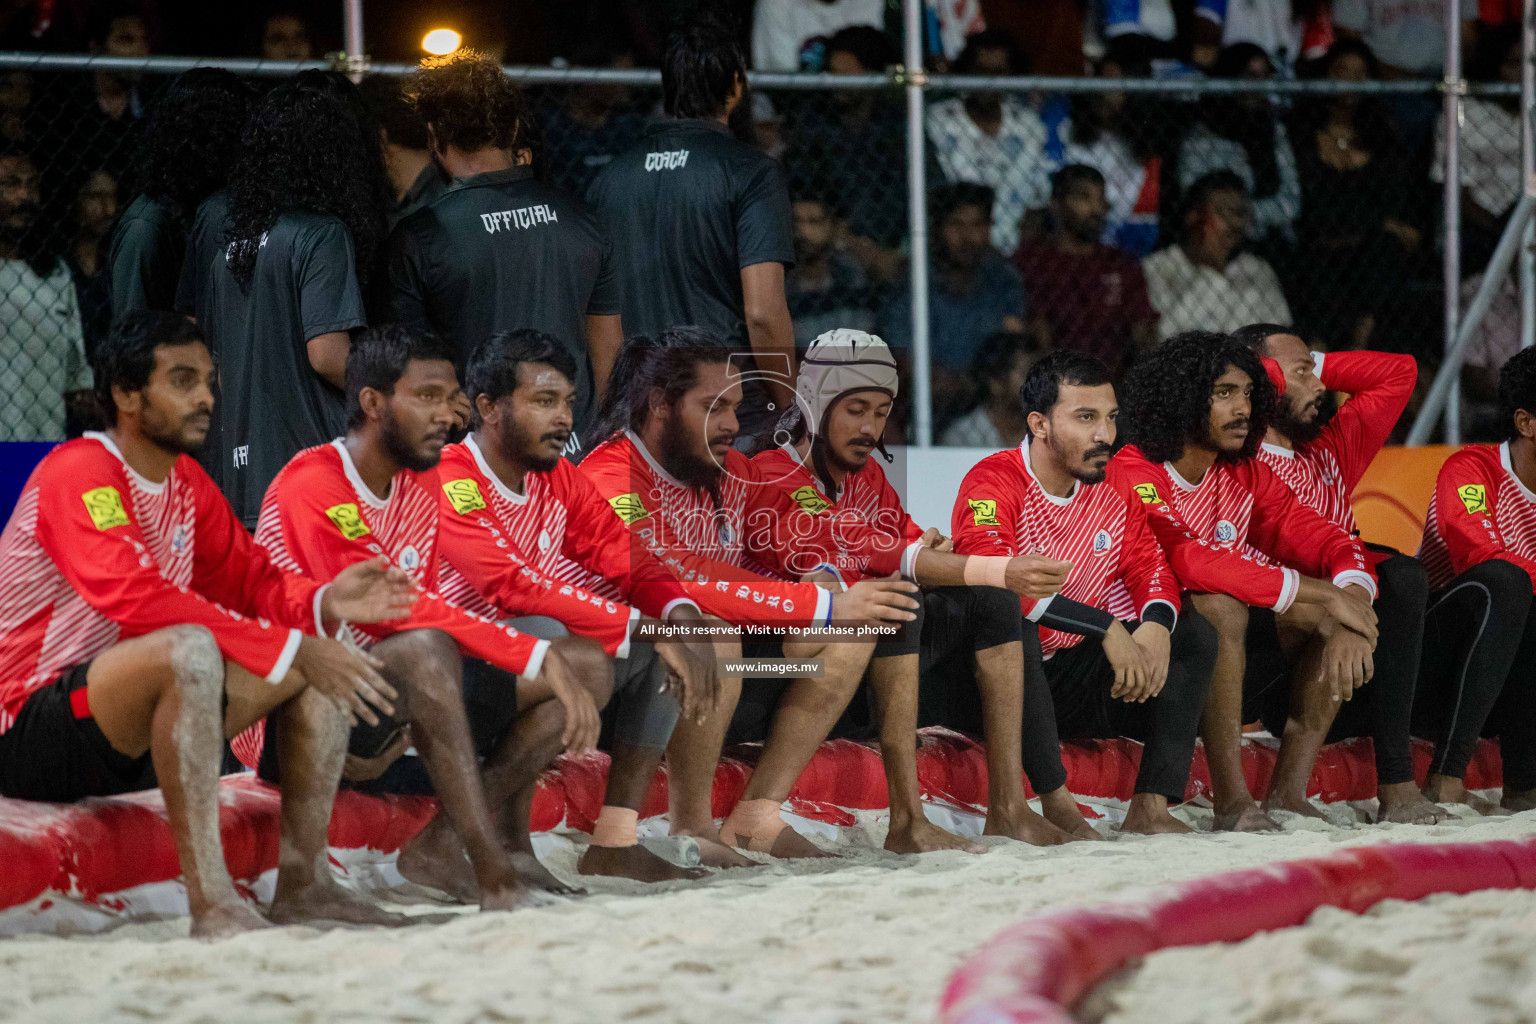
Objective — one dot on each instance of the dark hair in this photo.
(1517, 389)
(192, 137)
(1070, 175)
(961, 194)
(380, 356)
(1255, 335)
(308, 149)
(1042, 388)
(1167, 402)
(469, 103)
(1369, 116)
(996, 354)
(40, 246)
(494, 364)
(125, 357)
(384, 96)
(1207, 185)
(701, 66)
(668, 362)
(104, 15)
(867, 44)
(1228, 118)
(990, 39)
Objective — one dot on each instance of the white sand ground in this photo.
(1443, 960)
(872, 937)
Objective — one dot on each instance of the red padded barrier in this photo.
(1034, 972)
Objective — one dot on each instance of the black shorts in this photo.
(50, 754)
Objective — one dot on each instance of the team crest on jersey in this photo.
(1101, 542)
(1474, 496)
(983, 511)
(629, 507)
(1226, 533)
(105, 507)
(464, 496)
(1148, 494)
(410, 559)
(348, 520)
(807, 498)
(180, 538)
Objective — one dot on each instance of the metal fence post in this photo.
(352, 12)
(1527, 177)
(1454, 88)
(917, 221)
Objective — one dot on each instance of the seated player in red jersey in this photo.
(1321, 450)
(1480, 633)
(518, 525)
(1119, 658)
(968, 636)
(139, 626)
(1289, 592)
(377, 489)
(669, 471)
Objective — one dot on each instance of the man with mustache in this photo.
(521, 529)
(1321, 451)
(374, 492)
(1283, 586)
(1119, 658)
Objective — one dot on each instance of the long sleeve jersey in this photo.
(1241, 531)
(506, 553)
(1480, 511)
(1324, 472)
(95, 554)
(1117, 565)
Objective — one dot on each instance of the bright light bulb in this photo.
(441, 41)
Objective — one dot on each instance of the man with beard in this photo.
(42, 344)
(969, 626)
(374, 492)
(520, 525)
(1119, 658)
(826, 288)
(670, 472)
(1091, 295)
(139, 626)
(1289, 592)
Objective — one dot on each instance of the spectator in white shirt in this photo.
(1204, 282)
(1408, 36)
(993, 138)
(781, 29)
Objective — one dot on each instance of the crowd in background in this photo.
(1095, 221)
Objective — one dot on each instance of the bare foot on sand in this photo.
(435, 858)
(327, 901)
(713, 851)
(1295, 804)
(225, 919)
(1243, 817)
(535, 875)
(1442, 789)
(1024, 825)
(1148, 816)
(787, 845)
(1515, 801)
(633, 862)
(1060, 809)
(1401, 803)
(919, 835)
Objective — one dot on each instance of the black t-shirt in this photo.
(273, 402)
(500, 251)
(688, 207)
(145, 256)
(205, 242)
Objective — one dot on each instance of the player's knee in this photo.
(1506, 582)
(997, 614)
(193, 658)
(420, 658)
(1404, 581)
(1225, 613)
(589, 664)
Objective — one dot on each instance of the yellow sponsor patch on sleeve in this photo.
(348, 520)
(809, 499)
(1475, 497)
(1148, 494)
(464, 496)
(629, 507)
(105, 507)
(983, 511)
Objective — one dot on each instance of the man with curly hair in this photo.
(1288, 591)
(500, 250)
(1480, 553)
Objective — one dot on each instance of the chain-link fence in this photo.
(1070, 213)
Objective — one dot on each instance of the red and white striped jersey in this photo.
(508, 554)
(1480, 511)
(94, 554)
(1101, 529)
(1323, 473)
(1241, 531)
(711, 548)
(865, 530)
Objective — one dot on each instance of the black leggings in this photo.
(1080, 679)
(1479, 672)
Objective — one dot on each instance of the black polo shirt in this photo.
(429, 184)
(688, 207)
(274, 404)
(500, 251)
(145, 256)
(205, 241)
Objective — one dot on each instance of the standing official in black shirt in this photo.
(499, 250)
(305, 220)
(701, 223)
(415, 177)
